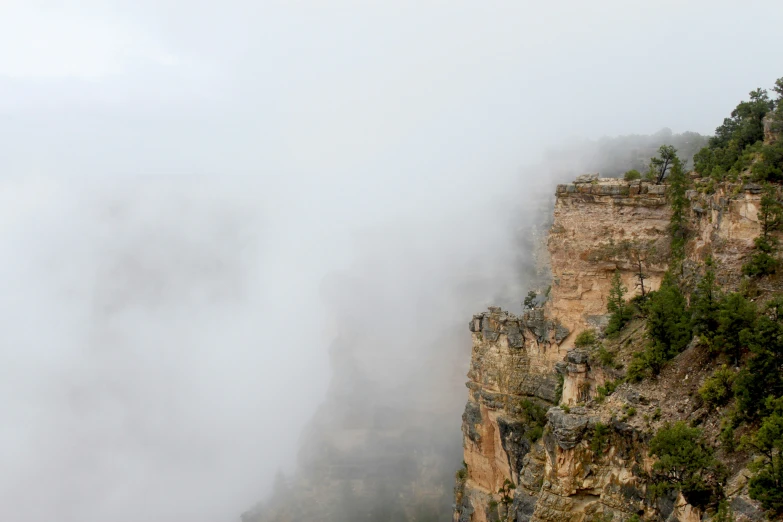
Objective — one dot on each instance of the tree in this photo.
(678, 228)
(661, 165)
(685, 462)
(636, 257)
(530, 300)
(616, 301)
(705, 301)
(725, 152)
(766, 485)
(620, 312)
(736, 321)
(668, 321)
(770, 211)
(506, 498)
(763, 375)
(764, 260)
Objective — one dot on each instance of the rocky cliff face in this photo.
(601, 226)
(526, 458)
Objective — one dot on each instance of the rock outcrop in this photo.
(601, 226)
(587, 459)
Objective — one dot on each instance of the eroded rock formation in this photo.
(587, 459)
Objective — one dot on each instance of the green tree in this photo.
(685, 462)
(620, 311)
(762, 376)
(766, 485)
(668, 321)
(705, 302)
(724, 153)
(678, 228)
(770, 211)
(661, 165)
(669, 328)
(716, 390)
(506, 498)
(736, 320)
(530, 300)
(764, 260)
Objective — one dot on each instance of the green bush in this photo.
(600, 436)
(606, 358)
(585, 339)
(559, 388)
(632, 174)
(716, 390)
(535, 419)
(607, 389)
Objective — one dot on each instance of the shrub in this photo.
(607, 389)
(716, 390)
(585, 338)
(535, 419)
(632, 175)
(600, 436)
(606, 358)
(724, 513)
(559, 388)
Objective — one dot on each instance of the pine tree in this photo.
(616, 301)
(620, 312)
(764, 260)
(770, 211)
(678, 184)
(668, 322)
(706, 301)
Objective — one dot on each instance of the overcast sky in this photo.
(177, 177)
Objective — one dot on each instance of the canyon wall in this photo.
(538, 445)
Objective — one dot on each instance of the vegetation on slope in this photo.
(742, 331)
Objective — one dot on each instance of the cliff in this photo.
(542, 440)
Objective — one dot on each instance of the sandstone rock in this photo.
(586, 178)
(524, 505)
(568, 428)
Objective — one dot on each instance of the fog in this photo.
(235, 236)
